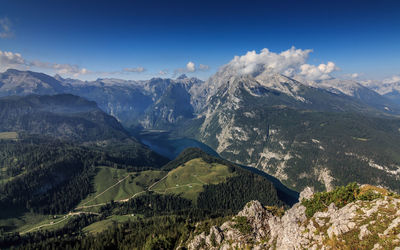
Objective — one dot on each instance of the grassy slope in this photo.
(26, 221)
(106, 177)
(100, 226)
(188, 179)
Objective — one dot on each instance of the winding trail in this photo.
(123, 200)
(195, 176)
(84, 206)
(184, 185)
(117, 183)
(155, 183)
(66, 217)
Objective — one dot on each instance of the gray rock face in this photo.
(295, 231)
(307, 193)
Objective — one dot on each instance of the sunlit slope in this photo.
(119, 184)
(188, 179)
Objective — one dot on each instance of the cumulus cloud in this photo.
(62, 69)
(135, 70)
(190, 67)
(290, 62)
(15, 60)
(5, 28)
(320, 72)
(9, 60)
(393, 79)
(163, 72)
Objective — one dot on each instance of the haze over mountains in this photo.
(389, 88)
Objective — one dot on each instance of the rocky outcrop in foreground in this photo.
(370, 221)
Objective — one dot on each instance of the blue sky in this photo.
(139, 39)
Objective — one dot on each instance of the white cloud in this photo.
(15, 60)
(320, 72)
(11, 60)
(291, 62)
(393, 79)
(5, 28)
(135, 70)
(62, 69)
(190, 67)
(163, 72)
(355, 75)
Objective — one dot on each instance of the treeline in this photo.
(168, 220)
(52, 176)
(189, 154)
(149, 205)
(67, 235)
(164, 232)
(233, 194)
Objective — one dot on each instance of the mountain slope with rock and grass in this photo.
(63, 116)
(304, 136)
(131, 102)
(305, 133)
(115, 194)
(349, 217)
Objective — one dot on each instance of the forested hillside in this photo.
(46, 175)
(63, 116)
(102, 189)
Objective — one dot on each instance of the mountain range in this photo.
(84, 162)
(306, 133)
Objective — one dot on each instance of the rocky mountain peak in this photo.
(58, 77)
(371, 220)
(183, 76)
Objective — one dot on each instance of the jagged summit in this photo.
(58, 77)
(351, 217)
(183, 76)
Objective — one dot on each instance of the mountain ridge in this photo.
(266, 120)
(64, 116)
(355, 216)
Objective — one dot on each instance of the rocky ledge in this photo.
(371, 220)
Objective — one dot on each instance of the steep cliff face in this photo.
(370, 221)
(170, 109)
(301, 135)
